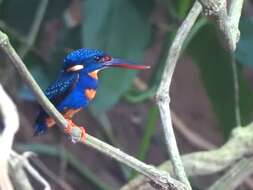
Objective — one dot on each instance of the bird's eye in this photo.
(106, 58)
(96, 58)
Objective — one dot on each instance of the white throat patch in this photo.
(75, 68)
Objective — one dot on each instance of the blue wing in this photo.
(60, 89)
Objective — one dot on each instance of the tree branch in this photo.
(202, 163)
(206, 162)
(235, 176)
(19, 162)
(163, 99)
(227, 22)
(160, 178)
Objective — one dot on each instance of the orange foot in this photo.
(70, 131)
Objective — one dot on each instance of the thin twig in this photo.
(23, 162)
(190, 135)
(158, 177)
(163, 99)
(73, 162)
(27, 42)
(31, 37)
(18, 175)
(236, 92)
(62, 184)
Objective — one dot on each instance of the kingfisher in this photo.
(76, 85)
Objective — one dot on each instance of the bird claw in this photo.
(72, 129)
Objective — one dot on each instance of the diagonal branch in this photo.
(163, 99)
(160, 178)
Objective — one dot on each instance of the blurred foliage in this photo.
(126, 28)
(244, 48)
(216, 71)
(182, 7)
(25, 10)
(148, 133)
(109, 26)
(123, 29)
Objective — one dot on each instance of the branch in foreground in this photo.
(10, 162)
(11, 125)
(18, 165)
(202, 163)
(163, 99)
(160, 178)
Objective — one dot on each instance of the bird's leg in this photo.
(71, 128)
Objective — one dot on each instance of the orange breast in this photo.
(70, 113)
(67, 115)
(90, 93)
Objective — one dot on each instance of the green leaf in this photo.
(216, 71)
(148, 133)
(19, 14)
(182, 7)
(122, 29)
(245, 46)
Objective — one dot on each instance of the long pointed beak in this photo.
(115, 62)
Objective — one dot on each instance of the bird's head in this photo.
(90, 60)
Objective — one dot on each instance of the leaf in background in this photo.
(42, 73)
(245, 46)
(216, 72)
(21, 9)
(39, 75)
(122, 29)
(182, 7)
(25, 10)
